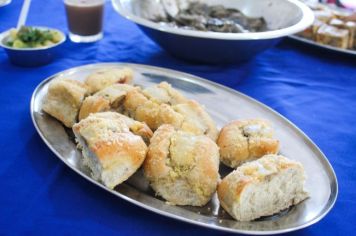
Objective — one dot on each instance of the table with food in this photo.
(171, 117)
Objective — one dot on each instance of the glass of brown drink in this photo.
(85, 20)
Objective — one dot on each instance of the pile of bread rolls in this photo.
(120, 127)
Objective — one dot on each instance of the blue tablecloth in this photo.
(313, 88)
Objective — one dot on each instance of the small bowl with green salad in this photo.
(32, 46)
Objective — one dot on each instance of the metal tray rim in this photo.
(313, 43)
(193, 79)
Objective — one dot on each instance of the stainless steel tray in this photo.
(223, 104)
(327, 47)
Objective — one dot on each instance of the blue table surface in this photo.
(315, 89)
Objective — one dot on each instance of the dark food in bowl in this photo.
(217, 18)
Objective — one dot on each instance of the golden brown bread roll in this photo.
(103, 78)
(182, 167)
(64, 99)
(262, 188)
(110, 150)
(246, 140)
(164, 93)
(109, 98)
(136, 127)
(188, 116)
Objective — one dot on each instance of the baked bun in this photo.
(109, 98)
(188, 116)
(262, 188)
(182, 167)
(103, 78)
(164, 93)
(110, 150)
(245, 140)
(64, 99)
(196, 119)
(136, 127)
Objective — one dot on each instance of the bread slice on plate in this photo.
(110, 149)
(262, 188)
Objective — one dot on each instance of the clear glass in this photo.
(85, 20)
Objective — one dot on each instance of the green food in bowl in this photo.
(29, 37)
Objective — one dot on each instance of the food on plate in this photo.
(310, 32)
(108, 76)
(332, 26)
(323, 15)
(189, 116)
(350, 26)
(180, 159)
(182, 167)
(64, 99)
(31, 37)
(111, 151)
(203, 17)
(330, 35)
(164, 93)
(262, 188)
(136, 127)
(246, 140)
(109, 98)
(196, 119)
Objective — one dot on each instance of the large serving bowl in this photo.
(283, 17)
(31, 57)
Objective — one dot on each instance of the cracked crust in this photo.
(136, 127)
(164, 93)
(182, 167)
(103, 78)
(109, 98)
(245, 140)
(157, 108)
(110, 149)
(64, 99)
(262, 187)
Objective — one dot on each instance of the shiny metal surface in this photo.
(223, 104)
(284, 17)
(327, 47)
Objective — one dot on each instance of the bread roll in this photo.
(188, 116)
(64, 99)
(246, 140)
(103, 78)
(262, 188)
(110, 150)
(196, 119)
(182, 167)
(109, 98)
(164, 93)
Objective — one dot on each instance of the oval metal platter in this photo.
(224, 105)
(319, 45)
